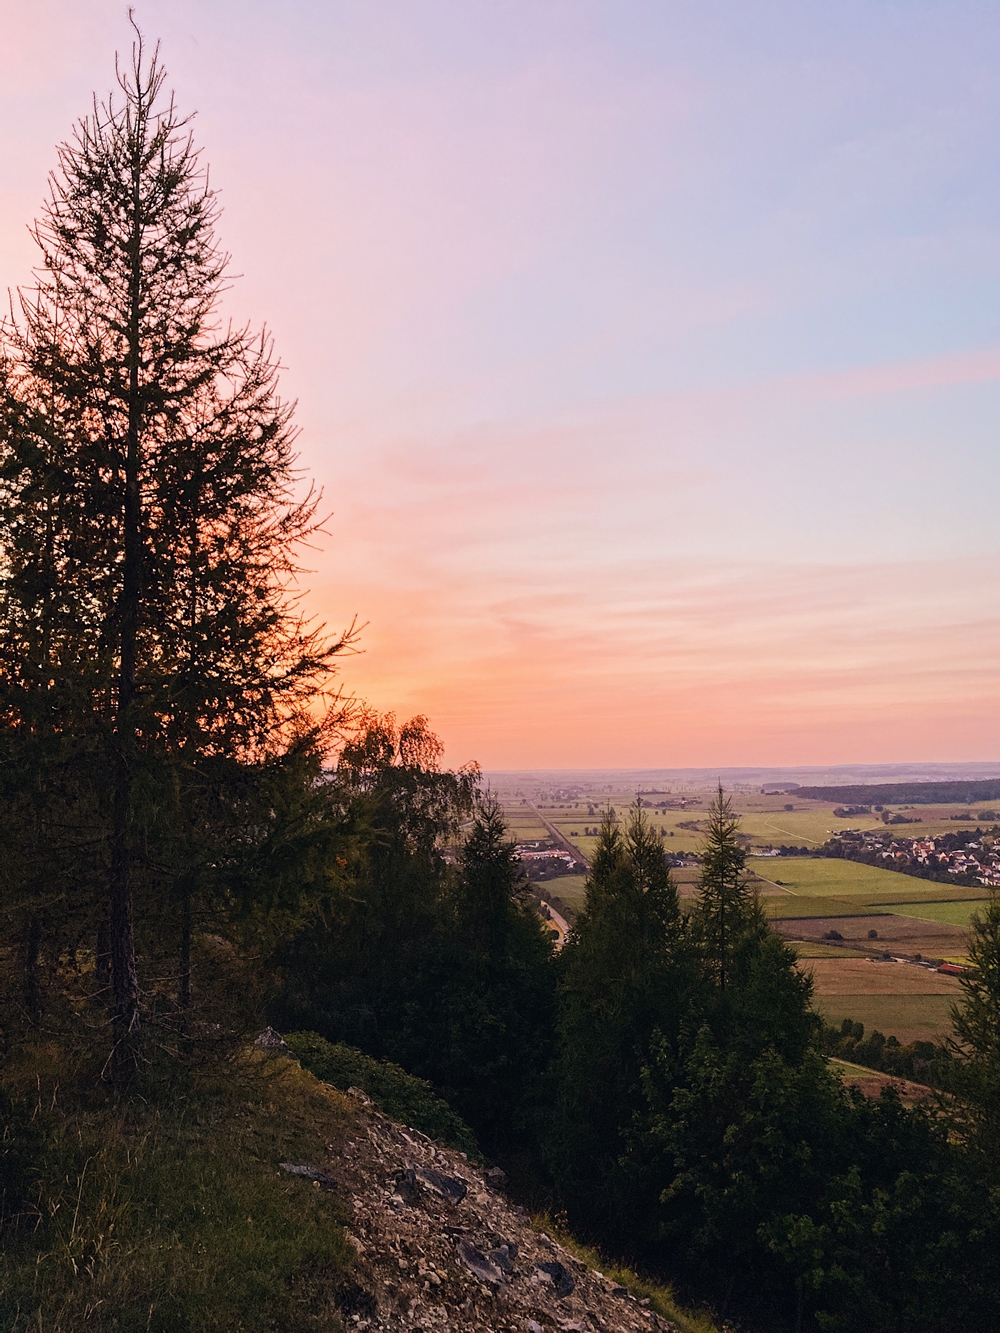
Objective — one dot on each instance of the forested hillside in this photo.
(203, 838)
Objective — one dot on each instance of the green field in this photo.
(808, 826)
(913, 890)
(908, 1017)
(953, 913)
(567, 887)
(840, 878)
(763, 819)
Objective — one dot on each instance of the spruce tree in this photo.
(726, 901)
(625, 978)
(148, 510)
(483, 1032)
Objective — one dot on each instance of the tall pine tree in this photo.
(148, 508)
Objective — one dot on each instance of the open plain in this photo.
(806, 897)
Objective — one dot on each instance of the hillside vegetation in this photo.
(167, 1210)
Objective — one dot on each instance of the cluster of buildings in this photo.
(965, 854)
(543, 861)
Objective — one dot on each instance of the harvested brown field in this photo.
(859, 976)
(902, 934)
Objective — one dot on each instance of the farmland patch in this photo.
(569, 888)
(955, 913)
(813, 949)
(814, 876)
(907, 1002)
(906, 1017)
(855, 976)
(903, 934)
(790, 910)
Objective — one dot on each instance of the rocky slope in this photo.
(439, 1247)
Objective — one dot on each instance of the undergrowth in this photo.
(170, 1213)
(402, 1096)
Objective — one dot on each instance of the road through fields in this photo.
(563, 842)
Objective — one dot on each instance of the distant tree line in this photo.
(927, 1062)
(906, 793)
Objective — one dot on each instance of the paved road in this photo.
(558, 922)
(562, 841)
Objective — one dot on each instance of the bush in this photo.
(403, 1097)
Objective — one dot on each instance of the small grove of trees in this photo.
(435, 961)
(157, 681)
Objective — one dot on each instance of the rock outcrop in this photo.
(440, 1247)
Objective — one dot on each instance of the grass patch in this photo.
(914, 891)
(816, 876)
(952, 913)
(660, 1296)
(570, 888)
(808, 827)
(403, 1097)
(176, 1216)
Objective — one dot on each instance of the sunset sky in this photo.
(648, 353)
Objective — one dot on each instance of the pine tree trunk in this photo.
(124, 977)
(103, 959)
(123, 966)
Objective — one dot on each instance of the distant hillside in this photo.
(914, 793)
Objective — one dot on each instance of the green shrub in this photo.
(400, 1095)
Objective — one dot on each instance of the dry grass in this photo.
(906, 1017)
